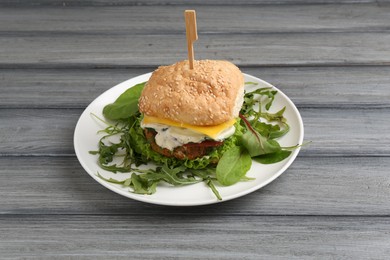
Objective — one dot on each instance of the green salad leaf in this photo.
(126, 104)
(271, 158)
(256, 144)
(233, 165)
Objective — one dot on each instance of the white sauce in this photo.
(170, 136)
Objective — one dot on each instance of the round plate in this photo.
(86, 139)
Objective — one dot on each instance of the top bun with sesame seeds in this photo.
(210, 94)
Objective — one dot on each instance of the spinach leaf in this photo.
(233, 165)
(255, 143)
(126, 104)
(272, 157)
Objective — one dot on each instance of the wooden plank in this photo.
(311, 186)
(347, 87)
(333, 132)
(64, 88)
(211, 19)
(177, 237)
(64, 3)
(153, 50)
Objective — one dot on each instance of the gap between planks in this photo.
(91, 66)
(100, 3)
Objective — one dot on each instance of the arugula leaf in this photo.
(264, 98)
(251, 83)
(208, 175)
(278, 116)
(172, 176)
(126, 105)
(233, 165)
(111, 180)
(269, 130)
(204, 173)
(142, 186)
(276, 134)
(210, 183)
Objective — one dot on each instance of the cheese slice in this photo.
(211, 131)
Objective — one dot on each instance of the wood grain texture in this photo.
(177, 237)
(309, 87)
(331, 59)
(69, 88)
(24, 3)
(211, 19)
(153, 50)
(333, 132)
(311, 186)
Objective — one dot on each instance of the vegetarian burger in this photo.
(187, 113)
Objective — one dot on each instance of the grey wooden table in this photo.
(332, 59)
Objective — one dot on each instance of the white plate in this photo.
(86, 139)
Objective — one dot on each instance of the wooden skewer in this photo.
(191, 34)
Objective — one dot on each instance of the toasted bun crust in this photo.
(210, 94)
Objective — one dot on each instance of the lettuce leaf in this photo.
(142, 147)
